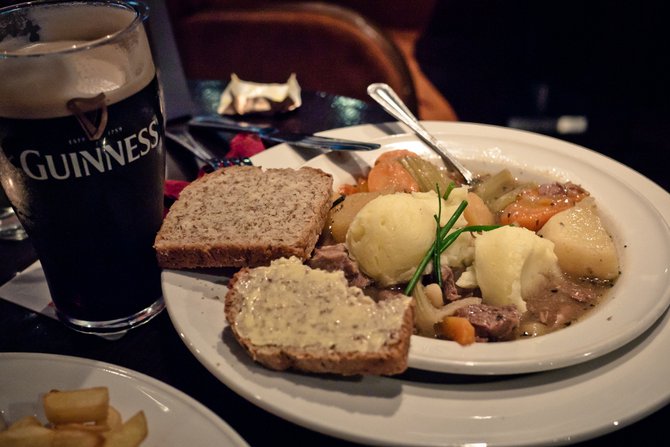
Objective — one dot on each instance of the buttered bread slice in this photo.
(245, 216)
(290, 316)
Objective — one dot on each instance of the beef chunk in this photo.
(492, 323)
(449, 289)
(336, 257)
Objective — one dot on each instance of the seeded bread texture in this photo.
(389, 360)
(245, 216)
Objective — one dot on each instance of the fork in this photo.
(183, 138)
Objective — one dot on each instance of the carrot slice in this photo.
(458, 329)
(532, 209)
(387, 179)
(390, 176)
(360, 186)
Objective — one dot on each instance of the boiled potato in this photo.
(76, 438)
(27, 436)
(130, 434)
(511, 263)
(583, 246)
(26, 421)
(84, 405)
(340, 217)
(114, 419)
(76, 420)
(477, 212)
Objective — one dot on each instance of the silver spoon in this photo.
(390, 101)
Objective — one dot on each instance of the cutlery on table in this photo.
(391, 102)
(183, 138)
(278, 136)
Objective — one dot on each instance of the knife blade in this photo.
(274, 134)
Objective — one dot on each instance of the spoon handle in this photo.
(389, 100)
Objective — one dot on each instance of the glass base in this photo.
(113, 329)
(10, 227)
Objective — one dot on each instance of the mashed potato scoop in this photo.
(390, 235)
(512, 263)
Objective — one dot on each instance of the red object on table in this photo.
(245, 145)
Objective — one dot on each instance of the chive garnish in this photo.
(443, 240)
(437, 271)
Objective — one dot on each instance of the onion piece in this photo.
(426, 316)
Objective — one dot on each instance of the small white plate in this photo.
(174, 419)
(641, 234)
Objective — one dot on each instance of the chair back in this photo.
(330, 48)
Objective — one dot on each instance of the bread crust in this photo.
(289, 236)
(390, 360)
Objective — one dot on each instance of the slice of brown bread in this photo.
(245, 216)
(290, 316)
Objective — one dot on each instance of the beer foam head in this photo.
(82, 51)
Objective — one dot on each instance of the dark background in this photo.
(606, 61)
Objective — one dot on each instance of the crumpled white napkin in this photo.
(242, 97)
(29, 289)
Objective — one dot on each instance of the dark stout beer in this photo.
(82, 159)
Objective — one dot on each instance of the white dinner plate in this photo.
(557, 406)
(174, 419)
(640, 232)
(425, 408)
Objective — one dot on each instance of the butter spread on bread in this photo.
(289, 315)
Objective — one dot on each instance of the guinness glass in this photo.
(81, 155)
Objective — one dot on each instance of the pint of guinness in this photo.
(81, 155)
